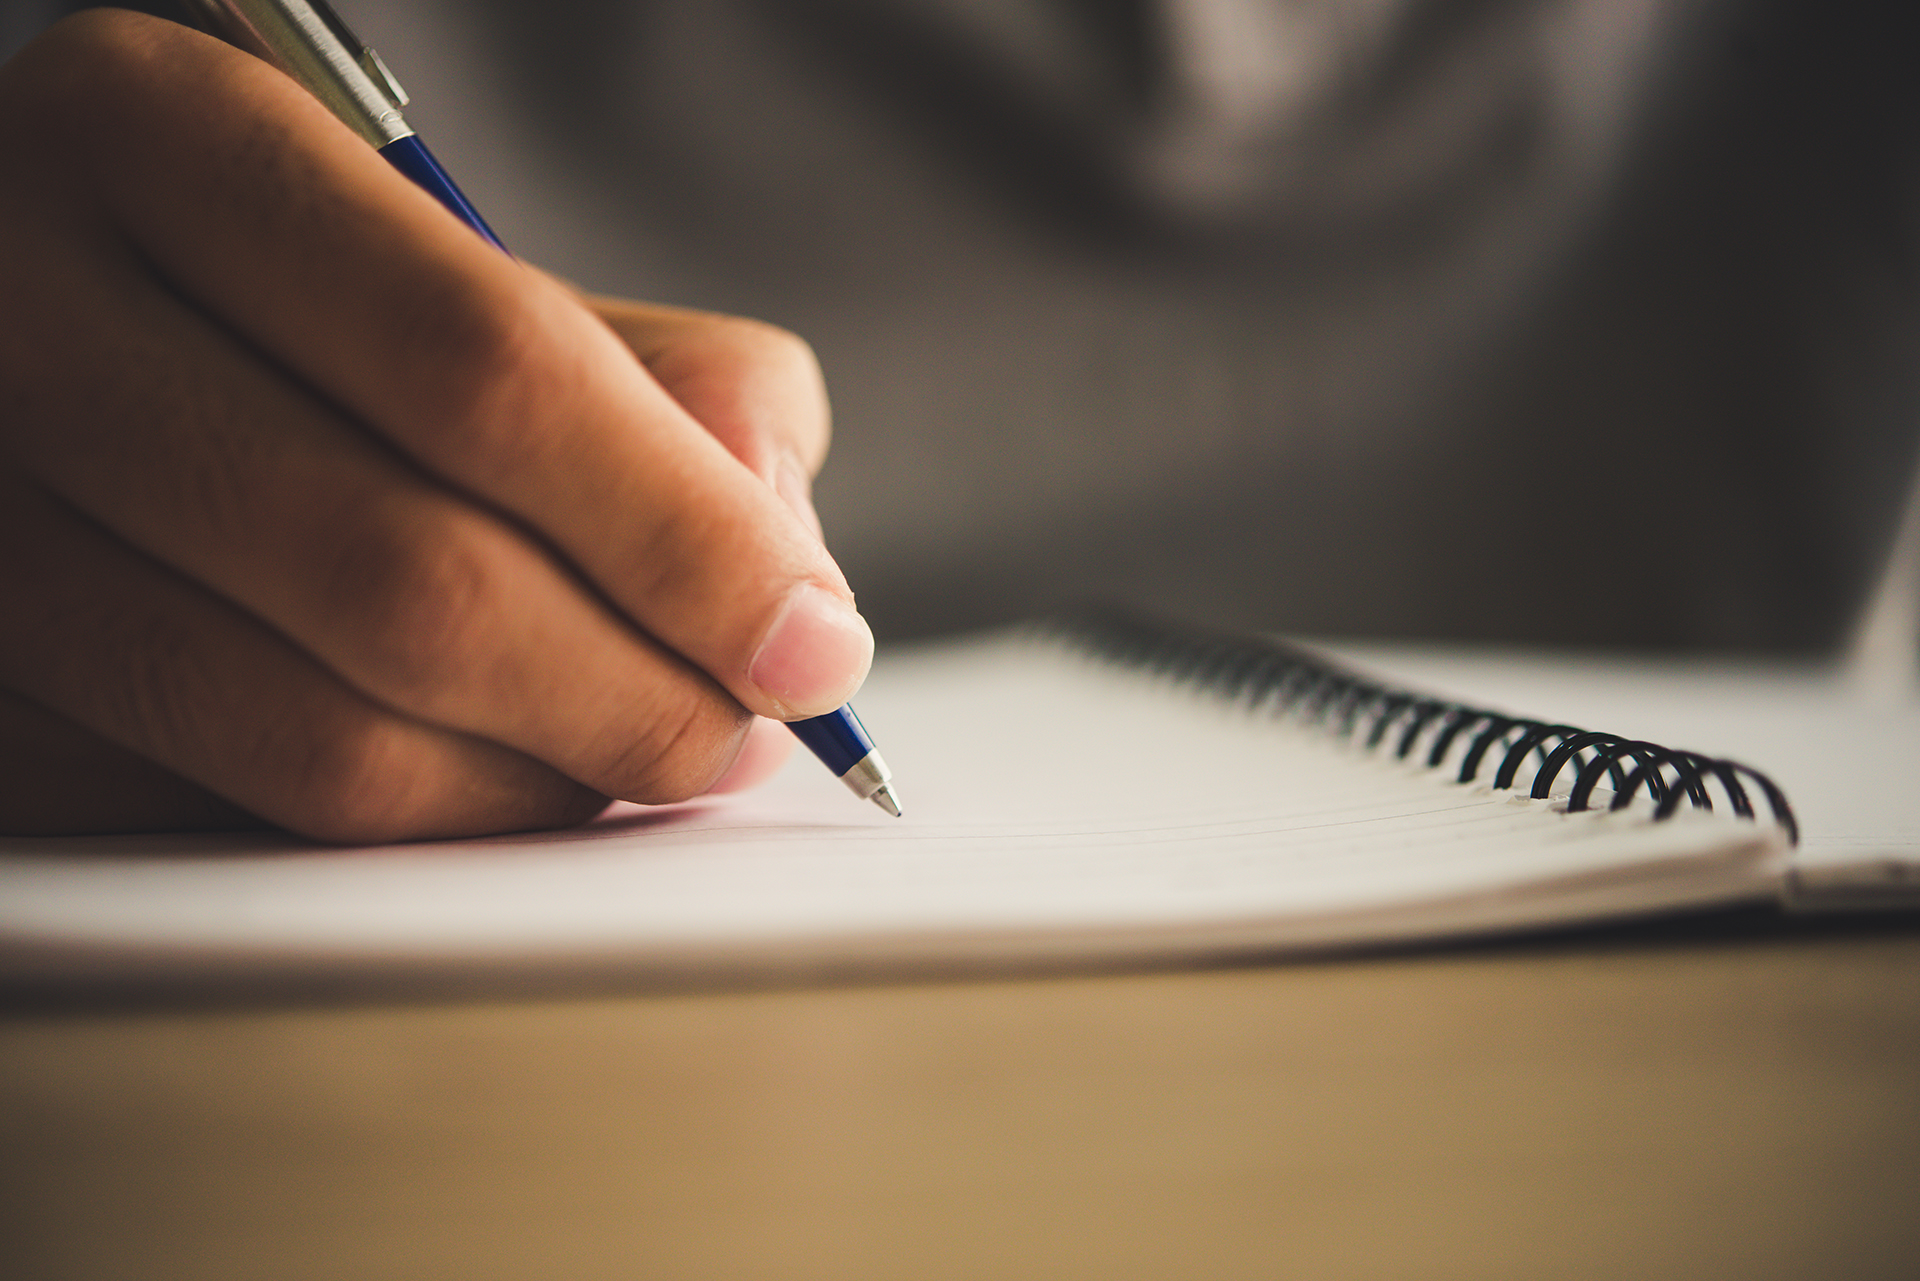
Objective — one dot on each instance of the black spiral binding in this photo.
(1293, 683)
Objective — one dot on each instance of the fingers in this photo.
(147, 661)
(431, 605)
(494, 380)
(224, 566)
(755, 387)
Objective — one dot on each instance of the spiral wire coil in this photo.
(1291, 683)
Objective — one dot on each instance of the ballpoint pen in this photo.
(307, 40)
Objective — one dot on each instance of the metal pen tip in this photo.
(883, 797)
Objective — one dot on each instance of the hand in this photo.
(317, 509)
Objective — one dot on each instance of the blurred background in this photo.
(1536, 320)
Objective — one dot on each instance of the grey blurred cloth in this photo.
(1566, 320)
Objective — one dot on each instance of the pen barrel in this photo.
(843, 746)
(410, 156)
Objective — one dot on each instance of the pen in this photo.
(307, 40)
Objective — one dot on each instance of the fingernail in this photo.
(815, 655)
(796, 488)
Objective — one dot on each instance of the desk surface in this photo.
(1720, 1099)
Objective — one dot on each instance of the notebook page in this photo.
(1053, 804)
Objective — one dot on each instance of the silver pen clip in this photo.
(307, 40)
(365, 54)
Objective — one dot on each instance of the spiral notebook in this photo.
(1101, 789)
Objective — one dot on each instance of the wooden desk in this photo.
(1720, 1100)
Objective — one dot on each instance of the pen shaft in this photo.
(410, 156)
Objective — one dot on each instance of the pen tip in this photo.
(886, 800)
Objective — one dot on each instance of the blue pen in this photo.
(307, 40)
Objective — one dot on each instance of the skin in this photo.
(316, 510)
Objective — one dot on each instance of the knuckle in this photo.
(481, 368)
(782, 353)
(791, 359)
(219, 452)
(351, 784)
(682, 748)
(756, 386)
(769, 344)
(164, 692)
(422, 598)
(369, 779)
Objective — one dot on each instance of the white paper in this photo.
(1055, 807)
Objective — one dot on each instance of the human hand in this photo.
(315, 507)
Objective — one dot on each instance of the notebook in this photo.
(1100, 789)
